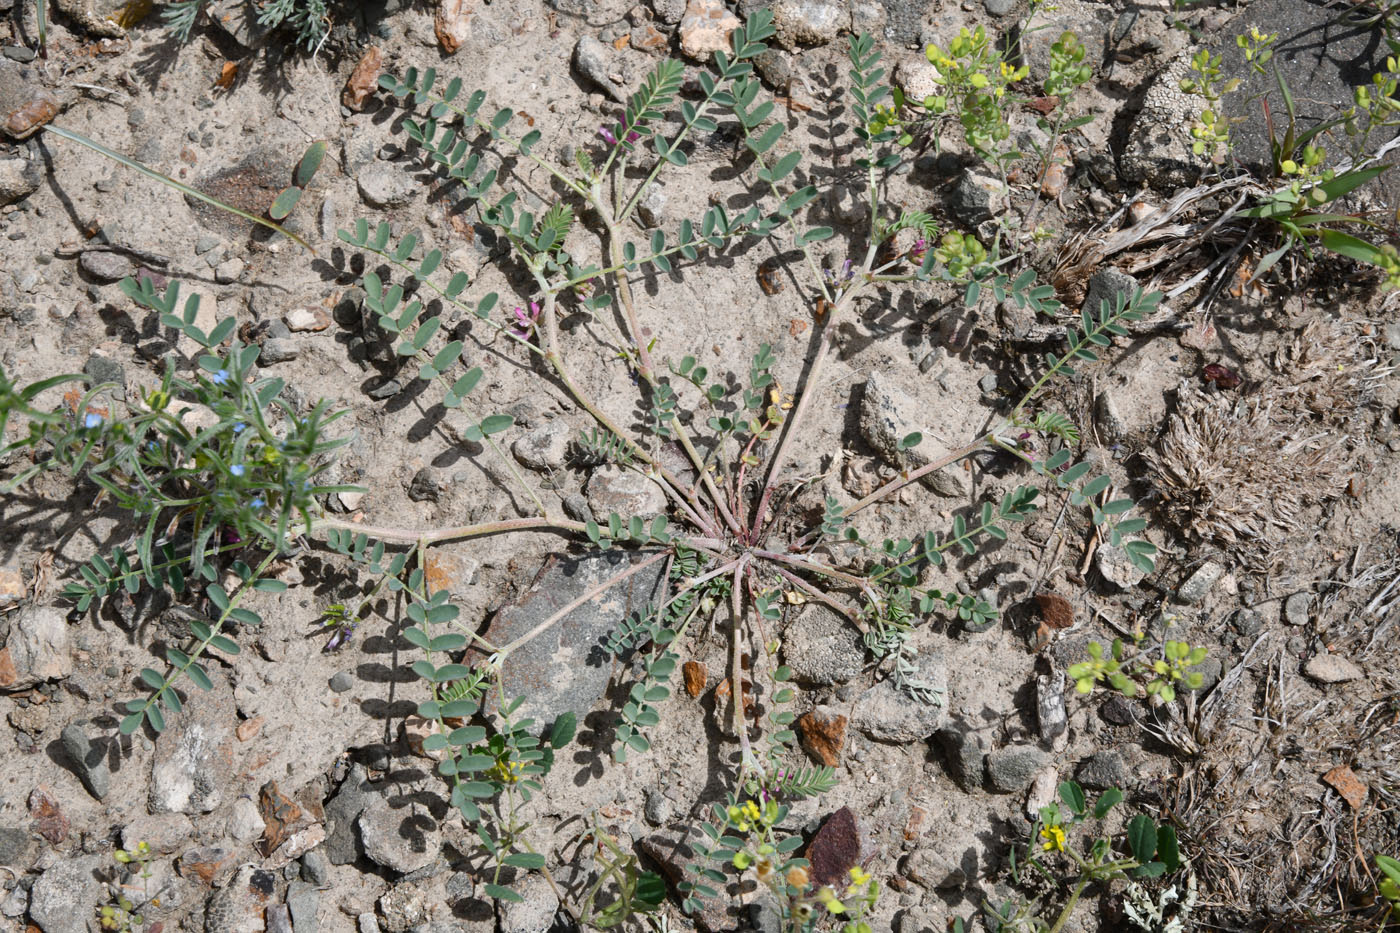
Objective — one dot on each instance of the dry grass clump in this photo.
(1239, 471)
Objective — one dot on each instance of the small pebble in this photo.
(341, 682)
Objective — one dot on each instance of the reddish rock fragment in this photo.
(453, 24)
(696, 676)
(25, 119)
(822, 733)
(364, 79)
(647, 38)
(48, 818)
(206, 863)
(1223, 376)
(1345, 782)
(835, 849)
(279, 813)
(1055, 611)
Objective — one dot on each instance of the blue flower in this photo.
(238, 427)
(236, 469)
(257, 502)
(92, 420)
(220, 377)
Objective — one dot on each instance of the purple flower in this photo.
(524, 324)
(610, 135)
(917, 252)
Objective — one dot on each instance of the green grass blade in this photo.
(177, 185)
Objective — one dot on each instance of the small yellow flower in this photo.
(858, 878)
(1054, 838)
(830, 901)
(508, 771)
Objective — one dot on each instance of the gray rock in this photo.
(1197, 586)
(67, 894)
(278, 919)
(1296, 609)
(1050, 705)
(1210, 670)
(14, 847)
(658, 807)
(101, 369)
(596, 12)
(90, 762)
(19, 178)
(1248, 622)
(426, 485)
(38, 649)
(16, 903)
(809, 22)
(845, 205)
(1011, 769)
(192, 757)
(600, 64)
(239, 906)
(239, 19)
(1117, 567)
(535, 913)
(17, 53)
(1103, 770)
(933, 870)
(977, 197)
(402, 839)
(652, 207)
(627, 492)
(302, 901)
(885, 420)
(279, 350)
(1332, 669)
(163, 832)
(384, 186)
(1112, 427)
(999, 7)
(340, 682)
(97, 17)
(544, 448)
(888, 714)
(576, 507)
(669, 11)
(351, 798)
(245, 822)
(357, 151)
(1106, 285)
(562, 668)
(227, 272)
(316, 868)
(1118, 710)
(775, 69)
(822, 647)
(105, 266)
(964, 755)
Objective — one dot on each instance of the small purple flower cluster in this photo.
(524, 324)
(610, 136)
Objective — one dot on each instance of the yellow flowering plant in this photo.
(1152, 851)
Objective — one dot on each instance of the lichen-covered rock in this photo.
(194, 755)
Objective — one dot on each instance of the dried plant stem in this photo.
(644, 363)
(930, 467)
